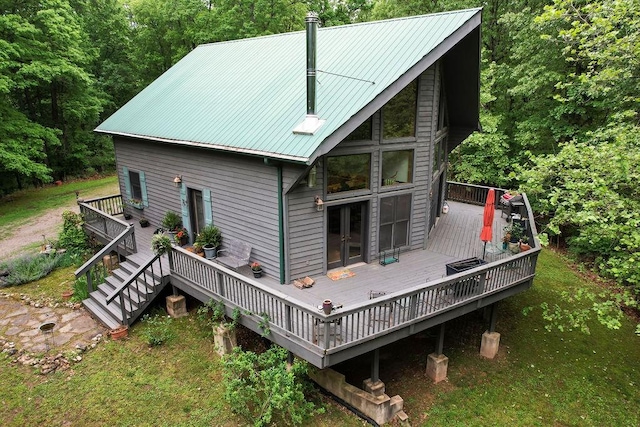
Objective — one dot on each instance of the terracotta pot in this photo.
(119, 333)
(327, 306)
(524, 247)
(66, 295)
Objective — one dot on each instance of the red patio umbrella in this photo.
(487, 219)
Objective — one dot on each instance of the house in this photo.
(322, 149)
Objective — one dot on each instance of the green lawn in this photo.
(22, 205)
(538, 378)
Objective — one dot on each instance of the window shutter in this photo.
(143, 189)
(127, 183)
(184, 203)
(208, 215)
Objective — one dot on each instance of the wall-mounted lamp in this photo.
(311, 181)
(319, 203)
(177, 180)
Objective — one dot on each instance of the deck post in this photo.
(491, 339)
(375, 365)
(373, 385)
(493, 317)
(440, 343)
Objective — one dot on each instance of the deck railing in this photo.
(138, 290)
(112, 205)
(104, 224)
(356, 324)
(471, 193)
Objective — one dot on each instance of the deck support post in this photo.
(440, 343)
(437, 362)
(491, 339)
(373, 385)
(493, 317)
(375, 365)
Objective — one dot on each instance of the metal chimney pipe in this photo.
(311, 22)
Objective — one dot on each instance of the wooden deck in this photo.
(417, 292)
(455, 237)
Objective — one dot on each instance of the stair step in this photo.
(103, 316)
(114, 306)
(137, 259)
(136, 295)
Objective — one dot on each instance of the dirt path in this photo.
(28, 237)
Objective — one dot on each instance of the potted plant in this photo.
(210, 239)
(160, 244)
(182, 236)
(136, 203)
(172, 222)
(524, 245)
(515, 233)
(256, 269)
(144, 222)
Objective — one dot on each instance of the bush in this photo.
(156, 329)
(29, 268)
(73, 238)
(261, 389)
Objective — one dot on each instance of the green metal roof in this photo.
(248, 95)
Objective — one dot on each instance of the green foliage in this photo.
(209, 235)
(73, 238)
(171, 221)
(263, 324)
(29, 268)
(588, 193)
(263, 390)
(157, 329)
(160, 244)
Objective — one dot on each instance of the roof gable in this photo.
(248, 95)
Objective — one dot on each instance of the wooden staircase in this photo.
(146, 280)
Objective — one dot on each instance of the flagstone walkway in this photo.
(20, 323)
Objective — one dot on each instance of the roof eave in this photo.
(209, 146)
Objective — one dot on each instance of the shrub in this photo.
(157, 329)
(261, 389)
(73, 238)
(29, 268)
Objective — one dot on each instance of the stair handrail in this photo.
(118, 292)
(131, 279)
(87, 266)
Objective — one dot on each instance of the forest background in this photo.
(559, 101)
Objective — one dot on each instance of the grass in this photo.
(23, 205)
(539, 378)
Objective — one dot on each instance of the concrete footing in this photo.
(177, 306)
(375, 388)
(437, 365)
(381, 409)
(490, 344)
(224, 339)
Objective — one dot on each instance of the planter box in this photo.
(463, 265)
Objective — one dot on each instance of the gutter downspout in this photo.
(278, 167)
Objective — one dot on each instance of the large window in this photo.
(362, 132)
(399, 114)
(348, 173)
(397, 167)
(394, 221)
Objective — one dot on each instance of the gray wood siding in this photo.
(306, 230)
(307, 227)
(244, 194)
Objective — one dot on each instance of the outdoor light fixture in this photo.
(319, 203)
(311, 181)
(177, 180)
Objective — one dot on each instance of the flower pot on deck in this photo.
(209, 251)
(327, 306)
